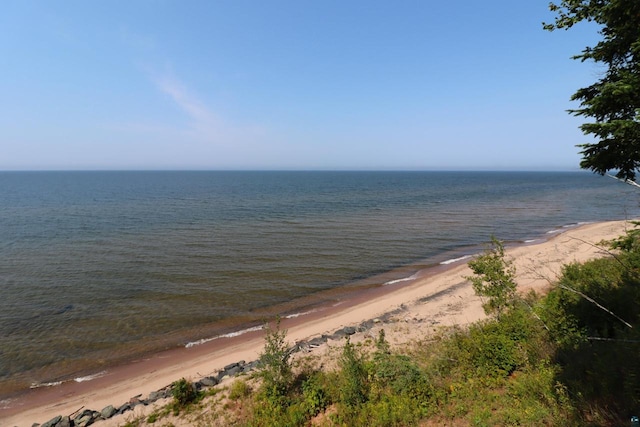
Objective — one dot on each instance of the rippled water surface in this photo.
(96, 267)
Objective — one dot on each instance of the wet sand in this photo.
(439, 297)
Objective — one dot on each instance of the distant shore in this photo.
(441, 297)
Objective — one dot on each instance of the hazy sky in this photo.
(344, 84)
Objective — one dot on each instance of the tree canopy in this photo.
(613, 102)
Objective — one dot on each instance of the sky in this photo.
(288, 85)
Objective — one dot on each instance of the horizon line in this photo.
(299, 170)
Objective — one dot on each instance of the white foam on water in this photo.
(42, 385)
(90, 377)
(294, 315)
(229, 335)
(451, 261)
(78, 380)
(567, 226)
(405, 279)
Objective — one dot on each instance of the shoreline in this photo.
(437, 297)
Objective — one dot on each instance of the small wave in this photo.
(567, 226)
(531, 240)
(576, 224)
(6, 403)
(294, 315)
(90, 377)
(78, 380)
(42, 385)
(405, 279)
(451, 261)
(229, 335)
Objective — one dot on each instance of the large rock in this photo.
(317, 341)
(52, 422)
(230, 366)
(250, 366)
(233, 371)
(209, 381)
(156, 395)
(344, 332)
(124, 408)
(85, 418)
(108, 412)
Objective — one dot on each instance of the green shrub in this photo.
(184, 392)
(494, 278)
(397, 372)
(239, 389)
(389, 410)
(497, 347)
(314, 396)
(274, 366)
(353, 386)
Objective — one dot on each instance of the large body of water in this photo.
(100, 267)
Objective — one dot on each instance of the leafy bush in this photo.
(494, 279)
(397, 372)
(184, 392)
(497, 347)
(354, 386)
(314, 396)
(274, 366)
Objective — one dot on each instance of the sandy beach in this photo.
(440, 297)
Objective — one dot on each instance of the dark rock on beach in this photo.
(209, 381)
(108, 412)
(52, 422)
(124, 408)
(88, 417)
(250, 366)
(58, 421)
(342, 333)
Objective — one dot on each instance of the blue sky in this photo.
(325, 84)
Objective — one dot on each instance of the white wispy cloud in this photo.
(202, 117)
(207, 127)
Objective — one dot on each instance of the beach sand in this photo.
(441, 297)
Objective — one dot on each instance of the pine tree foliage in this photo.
(613, 102)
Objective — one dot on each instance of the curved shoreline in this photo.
(440, 295)
(59, 371)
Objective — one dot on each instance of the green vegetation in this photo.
(494, 279)
(566, 359)
(183, 392)
(274, 366)
(613, 102)
(239, 390)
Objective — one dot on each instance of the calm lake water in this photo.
(100, 267)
